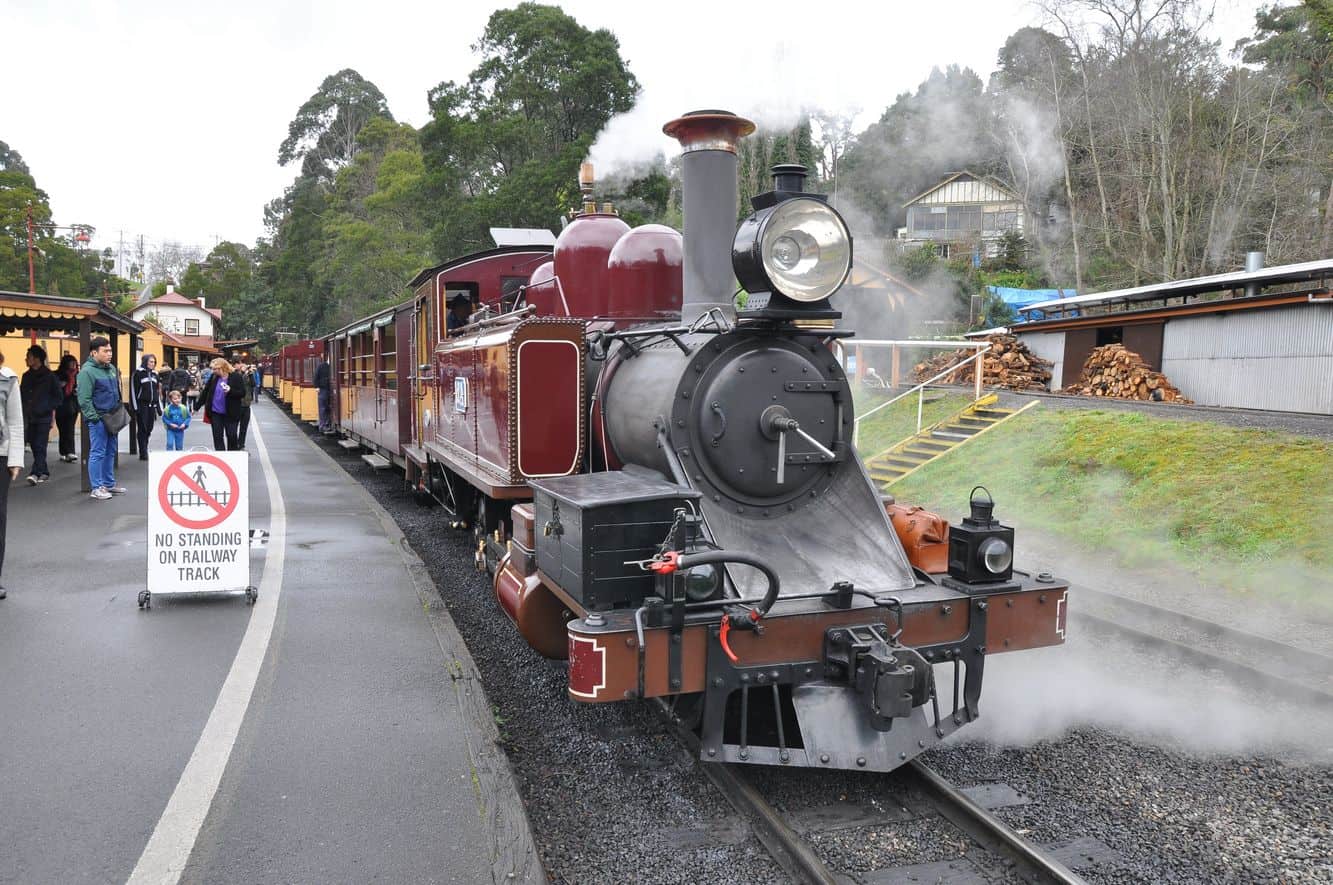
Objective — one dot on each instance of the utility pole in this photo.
(32, 279)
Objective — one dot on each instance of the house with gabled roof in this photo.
(189, 318)
(965, 213)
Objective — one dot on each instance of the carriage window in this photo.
(509, 290)
(389, 358)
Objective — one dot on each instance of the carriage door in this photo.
(424, 363)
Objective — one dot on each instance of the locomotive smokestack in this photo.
(708, 169)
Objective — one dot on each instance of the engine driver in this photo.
(460, 308)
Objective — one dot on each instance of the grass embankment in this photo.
(1247, 510)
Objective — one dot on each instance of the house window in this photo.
(191, 327)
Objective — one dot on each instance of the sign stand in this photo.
(198, 525)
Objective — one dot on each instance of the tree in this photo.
(220, 277)
(376, 238)
(11, 160)
(504, 147)
(324, 131)
(767, 147)
(59, 267)
(943, 127)
(169, 261)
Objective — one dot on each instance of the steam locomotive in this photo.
(665, 488)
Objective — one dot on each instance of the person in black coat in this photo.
(67, 413)
(221, 402)
(146, 400)
(42, 394)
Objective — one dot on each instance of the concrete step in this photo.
(376, 460)
(349, 444)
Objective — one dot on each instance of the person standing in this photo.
(67, 413)
(175, 418)
(146, 400)
(42, 394)
(247, 373)
(221, 402)
(323, 386)
(99, 396)
(179, 380)
(192, 391)
(11, 443)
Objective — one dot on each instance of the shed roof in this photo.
(1268, 276)
(19, 310)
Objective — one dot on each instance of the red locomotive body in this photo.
(509, 401)
(665, 488)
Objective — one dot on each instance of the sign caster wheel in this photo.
(145, 599)
(251, 594)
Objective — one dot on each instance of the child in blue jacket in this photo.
(176, 418)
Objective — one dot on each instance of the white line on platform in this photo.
(169, 848)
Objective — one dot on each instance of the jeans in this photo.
(101, 457)
(38, 433)
(325, 409)
(175, 440)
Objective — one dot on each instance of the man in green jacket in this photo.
(98, 391)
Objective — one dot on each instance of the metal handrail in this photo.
(920, 391)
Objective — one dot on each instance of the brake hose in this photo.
(674, 561)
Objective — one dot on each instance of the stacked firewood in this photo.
(1113, 371)
(1008, 364)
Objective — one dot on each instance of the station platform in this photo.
(335, 731)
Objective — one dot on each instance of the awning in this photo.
(53, 313)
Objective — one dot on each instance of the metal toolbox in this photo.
(588, 526)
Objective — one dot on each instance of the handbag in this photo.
(116, 419)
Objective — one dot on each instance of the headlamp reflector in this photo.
(799, 248)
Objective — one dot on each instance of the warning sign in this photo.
(198, 522)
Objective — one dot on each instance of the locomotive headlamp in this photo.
(799, 248)
(981, 550)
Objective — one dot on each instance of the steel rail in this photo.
(787, 848)
(1296, 659)
(799, 860)
(1245, 672)
(988, 830)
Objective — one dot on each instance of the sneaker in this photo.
(117, 490)
(43, 478)
(33, 480)
(69, 459)
(100, 495)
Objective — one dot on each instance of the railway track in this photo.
(1255, 660)
(802, 862)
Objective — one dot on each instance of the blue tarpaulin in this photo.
(1019, 299)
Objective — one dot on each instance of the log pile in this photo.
(1008, 364)
(1113, 371)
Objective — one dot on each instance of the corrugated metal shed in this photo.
(1050, 346)
(1280, 358)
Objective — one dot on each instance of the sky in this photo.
(162, 120)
